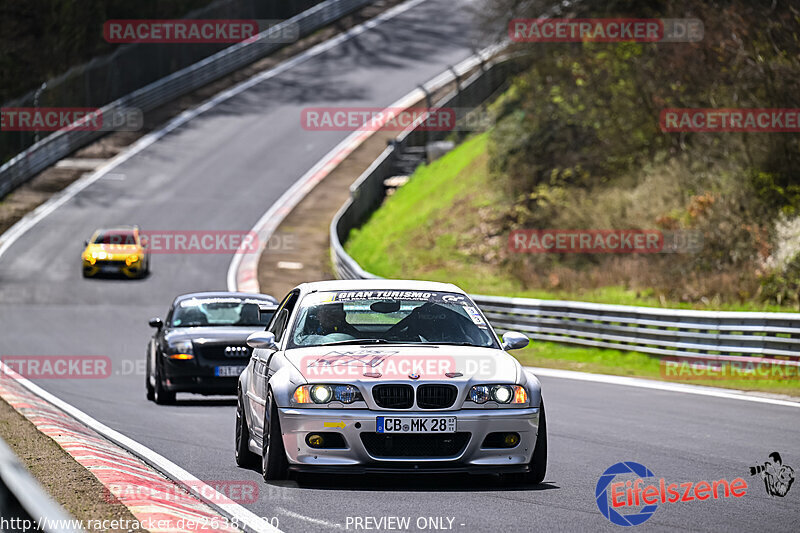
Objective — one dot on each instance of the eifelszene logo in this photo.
(638, 501)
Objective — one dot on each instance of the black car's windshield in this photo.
(397, 317)
(228, 311)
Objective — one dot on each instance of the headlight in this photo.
(502, 393)
(322, 394)
(505, 394)
(480, 394)
(131, 259)
(181, 350)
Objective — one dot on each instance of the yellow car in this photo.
(116, 251)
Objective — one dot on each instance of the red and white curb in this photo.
(158, 503)
(243, 270)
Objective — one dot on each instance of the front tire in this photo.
(274, 464)
(161, 395)
(151, 391)
(244, 457)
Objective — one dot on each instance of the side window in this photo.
(279, 322)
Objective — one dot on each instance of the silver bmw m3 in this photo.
(381, 376)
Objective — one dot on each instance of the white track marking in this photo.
(316, 521)
(727, 394)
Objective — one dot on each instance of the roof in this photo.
(377, 284)
(116, 228)
(226, 294)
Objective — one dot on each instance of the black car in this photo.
(201, 346)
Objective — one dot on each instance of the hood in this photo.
(453, 364)
(212, 334)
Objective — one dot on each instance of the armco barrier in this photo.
(60, 144)
(23, 503)
(732, 336)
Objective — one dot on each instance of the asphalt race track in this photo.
(222, 171)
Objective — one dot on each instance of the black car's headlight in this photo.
(322, 394)
(503, 394)
(180, 350)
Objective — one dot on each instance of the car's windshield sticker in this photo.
(205, 301)
(475, 315)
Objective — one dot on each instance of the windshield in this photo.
(220, 312)
(392, 317)
(122, 238)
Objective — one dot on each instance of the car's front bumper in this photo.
(200, 378)
(296, 424)
(112, 268)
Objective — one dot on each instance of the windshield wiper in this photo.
(357, 341)
(452, 344)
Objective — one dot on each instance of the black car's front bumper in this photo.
(199, 377)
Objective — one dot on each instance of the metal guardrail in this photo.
(62, 143)
(730, 336)
(24, 505)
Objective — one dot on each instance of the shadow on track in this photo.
(411, 483)
(205, 402)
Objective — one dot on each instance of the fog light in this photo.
(315, 441)
(511, 440)
(499, 440)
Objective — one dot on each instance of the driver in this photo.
(332, 319)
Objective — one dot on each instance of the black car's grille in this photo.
(436, 396)
(217, 352)
(393, 396)
(383, 445)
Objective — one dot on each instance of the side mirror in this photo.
(262, 339)
(85, 244)
(156, 323)
(514, 340)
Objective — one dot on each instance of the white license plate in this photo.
(391, 424)
(109, 269)
(228, 371)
